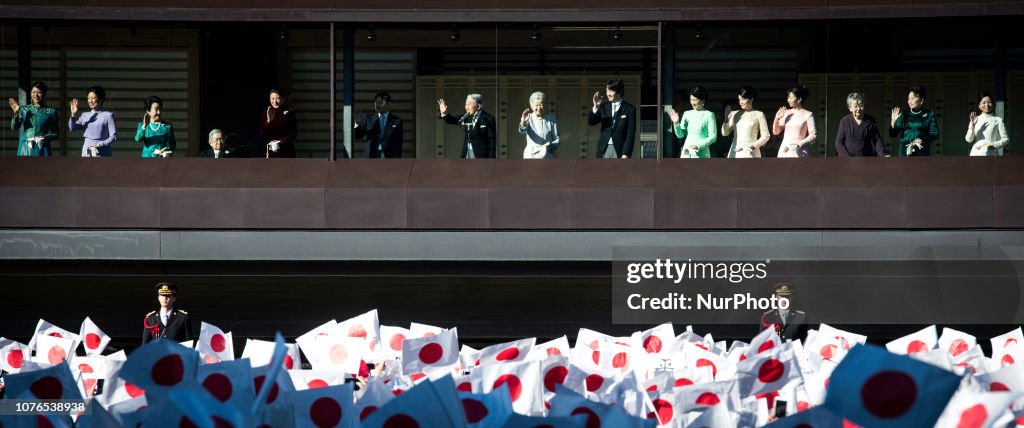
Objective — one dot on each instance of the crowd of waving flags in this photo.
(421, 377)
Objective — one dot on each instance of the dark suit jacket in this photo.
(224, 153)
(621, 134)
(178, 328)
(483, 136)
(795, 328)
(391, 140)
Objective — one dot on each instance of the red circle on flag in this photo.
(664, 411)
(217, 343)
(47, 388)
(683, 382)
(15, 358)
(508, 354)
(475, 410)
(338, 354)
(620, 361)
(316, 383)
(594, 382)
(703, 362)
(56, 355)
(1007, 360)
(92, 340)
(132, 390)
(554, 351)
(357, 331)
(593, 421)
(56, 334)
(596, 356)
(958, 347)
(1009, 341)
(771, 371)
(652, 388)
(168, 370)
(828, 351)
(417, 376)
(765, 346)
(916, 346)
(210, 360)
(325, 412)
(219, 386)
(974, 416)
(42, 422)
(396, 342)
(998, 386)
(289, 362)
(555, 376)
(429, 334)
(708, 399)
(258, 383)
(465, 387)
(652, 344)
(515, 386)
(802, 405)
(401, 421)
(431, 353)
(367, 411)
(889, 394)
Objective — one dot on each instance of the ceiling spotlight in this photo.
(454, 35)
(700, 32)
(371, 35)
(535, 34)
(617, 34)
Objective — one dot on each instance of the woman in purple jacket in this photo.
(99, 126)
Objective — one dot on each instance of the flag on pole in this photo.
(13, 355)
(94, 340)
(920, 341)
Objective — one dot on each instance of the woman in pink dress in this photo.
(798, 124)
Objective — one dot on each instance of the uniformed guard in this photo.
(167, 322)
(789, 323)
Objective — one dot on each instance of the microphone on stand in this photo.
(462, 120)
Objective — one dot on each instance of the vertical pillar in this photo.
(334, 108)
(349, 82)
(668, 88)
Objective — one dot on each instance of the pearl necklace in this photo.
(159, 126)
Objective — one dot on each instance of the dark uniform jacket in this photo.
(481, 134)
(178, 328)
(795, 327)
(390, 140)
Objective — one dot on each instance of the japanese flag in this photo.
(715, 416)
(94, 340)
(523, 380)
(374, 396)
(765, 341)
(686, 376)
(12, 355)
(920, 341)
(430, 353)
(52, 383)
(89, 370)
(324, 407)
(391, 339)
(44, 328)
(567, 404)
(97, 417)
(956, 342)
(591, 383)
(259, 353)
(189, 405)
(697, 357)
(876, 388)
(656, 341)
(160, 365)
(311, 379)
(554, 371)
(832, 343)
(507, 352)
(559, 346)
(228, 382)
(335, 352)
(365, 327)
(52, 349)
(816, 417)
(973, 409)
(973, 361)
(282, 385)
(1009, 378)
(700, 396)
(468, 383)
(422, 406)
(616, 357)
(520, 421)
(1008, 348)
(423, 330)
(587, 352)
(768, 371)
(215, 345)
(486, 410)
(662, 408)
(116, 389)
(468, 358)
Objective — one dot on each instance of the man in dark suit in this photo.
(383, 130)
(480, 131)
(618, 122)
(217, 147)
(168, 322)
(789, 323)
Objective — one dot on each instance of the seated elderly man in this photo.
(217, 147)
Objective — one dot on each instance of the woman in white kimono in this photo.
(540, 129)
(986, 132)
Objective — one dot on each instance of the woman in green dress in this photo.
(155, 134)
(916, 128)
(40, 120)
(696, 126)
